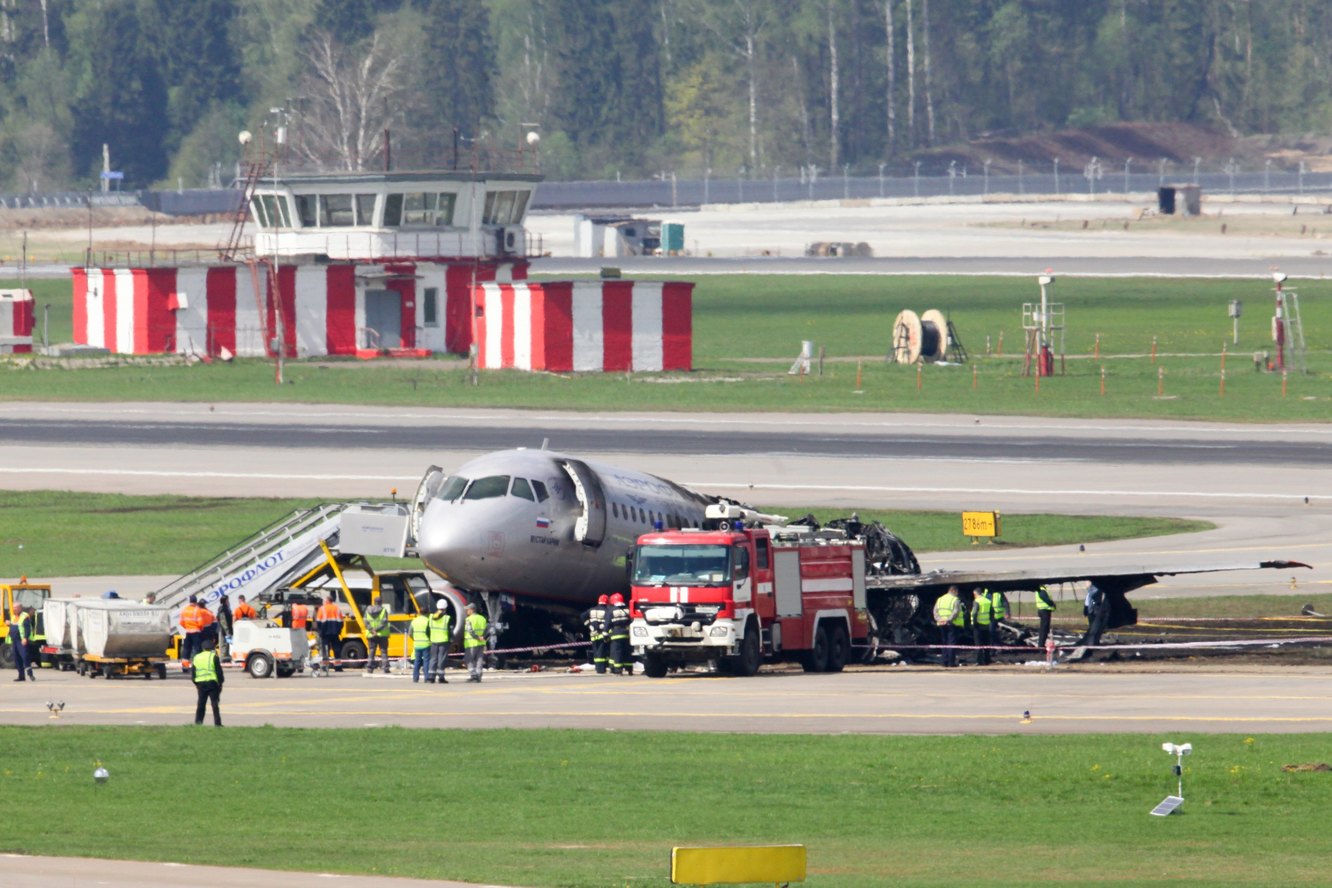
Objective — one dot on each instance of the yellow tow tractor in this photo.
(33, 597)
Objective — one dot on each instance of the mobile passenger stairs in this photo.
(308, 550)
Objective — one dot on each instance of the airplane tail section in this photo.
(590, 530)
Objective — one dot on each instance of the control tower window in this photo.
(419, 209)
(504, 207)
(335, 210)
(365, 209)
(308, 210)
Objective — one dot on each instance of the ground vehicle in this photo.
(32, 596)
(267, 649)
(740, 594)
(107, 637)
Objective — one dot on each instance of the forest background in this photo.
(630, 88)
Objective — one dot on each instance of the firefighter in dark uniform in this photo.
(620, 662)
(598, 632)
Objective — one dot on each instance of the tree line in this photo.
(625, 87)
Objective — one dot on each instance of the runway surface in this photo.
(1074, 699)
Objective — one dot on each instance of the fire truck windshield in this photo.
(696, 565)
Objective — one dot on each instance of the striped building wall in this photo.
(585, 326)
(16, 319)
(223, 309)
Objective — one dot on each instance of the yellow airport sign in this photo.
(980, 524)
(736, 865)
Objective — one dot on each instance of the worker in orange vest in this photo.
(190, 626)
(244, 610)
(329, 618)
(300, 616)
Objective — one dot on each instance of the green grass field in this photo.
(583, 808)
(121, 534)
(748, 329)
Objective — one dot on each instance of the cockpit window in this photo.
(453, 488)
(540, 490)
(487, 488)
(523, 489)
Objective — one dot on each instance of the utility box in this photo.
(672, 238)
(1186, 199)
(374, 530)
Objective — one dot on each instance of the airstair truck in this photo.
(736, 594)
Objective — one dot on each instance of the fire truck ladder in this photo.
(254, 170)
(285, 548)
(1295, 332)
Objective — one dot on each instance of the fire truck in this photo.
(744, 588)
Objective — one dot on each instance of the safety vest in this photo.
(596, 622)
(245, 612)
(439, 629)
(24, 626)
(1043, 600)
(421, 632)
(204, 616)
(328, 611)
(983, 609)
(948, 609)
(205, 666)
(475, 636)
(999, 605)
(378, 623)
(299, 615)
(189, 618)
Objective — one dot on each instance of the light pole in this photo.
(1056, 166)
(1197, 161)
(952, 174)
(1231, 167)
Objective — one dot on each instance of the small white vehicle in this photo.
(267, 648)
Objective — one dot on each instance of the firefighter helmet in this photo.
(603, 600)
(617, 598)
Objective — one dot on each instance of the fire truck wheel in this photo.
(654, 666)
(751, 653)
(839, 649)
(817, 659)
(259, 665)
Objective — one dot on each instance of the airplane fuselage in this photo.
(542, 525)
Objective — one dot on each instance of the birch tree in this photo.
(890, 90)
(352, 98)
(740, 25)
(834, 111)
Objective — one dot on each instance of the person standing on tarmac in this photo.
(377, 633)
(20, 635)
(300, 616)
(420, 646)
(598, 632)
(191, 625)
(474, 643)
(950, 616)
(1045, 608)
(208, 678)
(618, 621)
(439, 636)
(225, 623)
(329, 618)
(982, 625)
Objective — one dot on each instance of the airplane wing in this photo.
(1116, 583)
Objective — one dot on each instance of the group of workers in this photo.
(432, 637)
(982, 610)
(608, 629)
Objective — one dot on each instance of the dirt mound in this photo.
(1145, 143)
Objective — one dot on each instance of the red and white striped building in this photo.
(387, 263)
(16, 319)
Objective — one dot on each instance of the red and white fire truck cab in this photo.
(738, 594)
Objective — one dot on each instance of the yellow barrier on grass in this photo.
(738, 864)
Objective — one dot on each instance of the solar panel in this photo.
(1168, 805)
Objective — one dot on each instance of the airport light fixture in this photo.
(1171, 802)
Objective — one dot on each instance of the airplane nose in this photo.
(441, 541)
